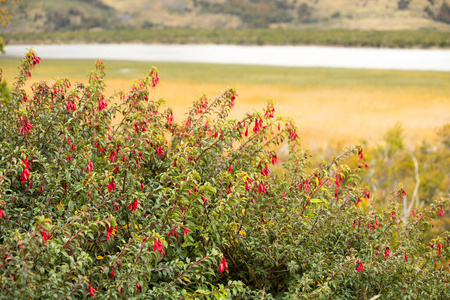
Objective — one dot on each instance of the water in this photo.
(292, 56)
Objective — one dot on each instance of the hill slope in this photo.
(50, 15)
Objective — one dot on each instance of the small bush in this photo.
(111, 198)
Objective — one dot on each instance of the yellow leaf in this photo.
(99, 257)
(60, 204)
(243, 233)
(185, 279)
(243, 212)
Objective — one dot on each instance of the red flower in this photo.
(69, 158)
(439, 247)
(109, 233)
(112, 156)
(262, 188)
(142, 186)
(223, 265)
(229, 170)
(1, 213)
(102, 104)
(115, 170)
(35, 60)
(111, 185)
(71, 106)
(90, 166)
(112, 272)
(248, 184)
(91, 290)
(406, 256)
(440, 213)
(265, 171)
(186, 231)
(45, 235)
(157, 245)
(133, 205)
(25, 127)
(360, 266)
(274, 159)
(257, 125)
(173, 232)
(387, 253)
(26, 171)
(292, 134)
(159, 151)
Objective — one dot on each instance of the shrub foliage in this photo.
(110, 198)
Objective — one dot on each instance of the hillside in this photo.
(53, 15)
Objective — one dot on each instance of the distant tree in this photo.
(5, 17)
(304, 13)
(444, 13)
(403, 4)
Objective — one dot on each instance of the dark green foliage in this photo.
(389, 39)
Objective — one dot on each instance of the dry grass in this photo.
(331, 107)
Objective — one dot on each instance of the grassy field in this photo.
(331, 107)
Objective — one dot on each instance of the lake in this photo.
(292, 56)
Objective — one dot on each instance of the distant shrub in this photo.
(403, 4)
(444, 13)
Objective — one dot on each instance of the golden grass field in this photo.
(331, 107)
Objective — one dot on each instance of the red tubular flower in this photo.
(173, 232)
(25, 127)
(1, 213)
(45, 235)
(71, 106)
(35, 59)
(387, 253)
(112, 272)
(262, 189)
(223, 265)
(133, 205)
(90, 166)
(360, 266)
(440, 213)
(406, 256)
(142, 186)
(159, 152)
(186, 231)
(109, 233)
(229, 170)
(91, 290)
(248, 184)
(102, 104)
(112, 156)
(274, 159)
(111, 185)
(439, 247)
(25, 176)
(115, 170)
(158, 246)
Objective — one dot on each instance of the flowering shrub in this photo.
(111, 198)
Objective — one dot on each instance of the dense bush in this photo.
(111, 198)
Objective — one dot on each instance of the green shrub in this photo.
(111, 198)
